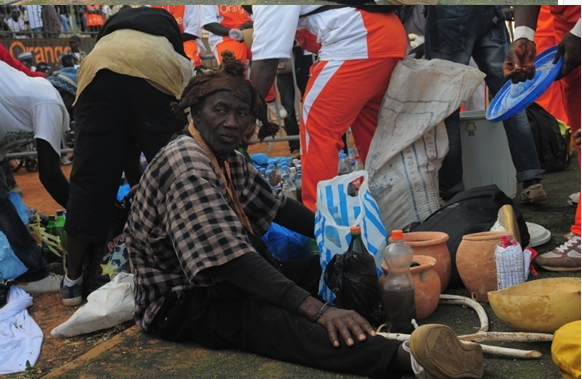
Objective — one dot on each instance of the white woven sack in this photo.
(336, 212)
(410, 141)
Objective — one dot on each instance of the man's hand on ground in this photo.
(348, 323)
(519, 61)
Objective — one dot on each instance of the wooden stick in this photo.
(465, 301)
(507, 336)
(512, 353)
(487, 349)
(483, 334)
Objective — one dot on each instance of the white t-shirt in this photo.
(341, 33)
(193, 25)
(30, 108)
(16, 26)
(34, 16)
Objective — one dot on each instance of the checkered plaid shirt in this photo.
(181, 226)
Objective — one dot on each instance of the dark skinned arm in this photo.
(569, 48)
(526, 15)
(253, 274)
(292, 211)
(263, 74)
(216, 28)
(50, 173)
(188, 37)
(519, 61)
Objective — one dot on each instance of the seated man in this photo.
(74, 50)
(203, 274)
(32, 110)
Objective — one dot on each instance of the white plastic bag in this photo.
(336, 212)
(20, 336)
(411, 141)
(106, 307)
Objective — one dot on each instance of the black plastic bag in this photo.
(111, 257)
(353, 279)
(4, 289)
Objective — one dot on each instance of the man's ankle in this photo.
(531, 182)
(72, 282)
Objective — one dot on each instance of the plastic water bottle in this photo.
(288, 191)
(292, 173)
(343, 167)
(397, 291)
(298, 185)
(358, 164)
(60, 228)
(509, 259)
(289, 187)
(269, 177)
(49, 256)
(235, 34)
(357, 244)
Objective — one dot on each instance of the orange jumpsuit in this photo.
(346, 93)
(94, 16)
(545, 37)
(565, 17)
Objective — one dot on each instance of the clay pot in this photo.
(433, 244)
(476, 263)
(427, 283)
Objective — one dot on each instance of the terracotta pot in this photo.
(427, 282)
(433, 244)
(476, 263)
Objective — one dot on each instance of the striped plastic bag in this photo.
(336, 212)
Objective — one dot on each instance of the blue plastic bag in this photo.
(10, 266)
(16, 200)
(285, 244)
(122, 192)
(337, 211)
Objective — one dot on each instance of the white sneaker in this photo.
(65, 161)
(573, 199)
(51, 283)
(273, 109)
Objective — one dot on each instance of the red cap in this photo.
(397, 235)
(355, 229)
(506, 240)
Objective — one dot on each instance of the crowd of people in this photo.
(202, 273)
(37, 21)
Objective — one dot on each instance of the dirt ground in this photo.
(47, 309)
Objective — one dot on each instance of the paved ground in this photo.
(131, 354)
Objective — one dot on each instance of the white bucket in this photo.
(486, 155)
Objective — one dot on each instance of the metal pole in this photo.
(73, 20)
(32, 153)
(277, 139)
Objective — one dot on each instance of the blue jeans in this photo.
(20, 239)
(462, 32)
(37, 32)
(65, 23)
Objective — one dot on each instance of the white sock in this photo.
(70, 282)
